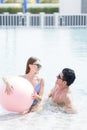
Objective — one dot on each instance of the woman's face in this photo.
(36, 66)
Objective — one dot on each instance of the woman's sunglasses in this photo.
(38, 65)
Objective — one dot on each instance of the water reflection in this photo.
(57, 49)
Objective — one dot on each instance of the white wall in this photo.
(70, 6)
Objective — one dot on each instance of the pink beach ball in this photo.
(21, 97)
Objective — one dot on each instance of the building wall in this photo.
(21, 1)
(70, 6)
(83, 6)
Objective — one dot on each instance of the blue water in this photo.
(57, 49)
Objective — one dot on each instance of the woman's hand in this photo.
(9, 88)
(34, 95)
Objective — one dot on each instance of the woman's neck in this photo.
(30, 76)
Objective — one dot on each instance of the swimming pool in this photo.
(57, 49)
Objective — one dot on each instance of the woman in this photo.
(32, 68)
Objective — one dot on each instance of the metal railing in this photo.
(42, 20)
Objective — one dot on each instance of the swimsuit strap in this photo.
(37, 88)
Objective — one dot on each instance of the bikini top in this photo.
(37, 89)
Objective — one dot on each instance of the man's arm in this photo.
(50, 94)
(69, 107)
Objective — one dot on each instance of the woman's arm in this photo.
(9, 88)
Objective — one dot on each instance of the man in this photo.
(61, 93)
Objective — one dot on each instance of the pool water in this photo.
(57, 49)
